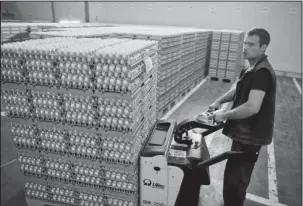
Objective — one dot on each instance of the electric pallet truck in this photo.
(173, 165)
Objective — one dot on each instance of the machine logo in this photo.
(149, 183)
(146, 202)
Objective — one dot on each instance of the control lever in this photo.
(200, 121)
(219, 158)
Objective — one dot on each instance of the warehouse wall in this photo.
(277, 17)
(29, 10)
(69, 11)
(7, 6)
(39, 10)
(42, 11)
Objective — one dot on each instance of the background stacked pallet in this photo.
(81, 110)
(181, 62)
(208, 53)
(226, 53)
(75, 32)
(186, 55)
(190, 68)
(179, 70)
(9, 29)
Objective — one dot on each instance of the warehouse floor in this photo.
(277, 174)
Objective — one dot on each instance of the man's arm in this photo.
(229, 96)
(249, 108)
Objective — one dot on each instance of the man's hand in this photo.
(218, 116)
(214, 106)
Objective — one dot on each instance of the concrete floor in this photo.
(287, 146)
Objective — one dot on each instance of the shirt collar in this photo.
(260, 59)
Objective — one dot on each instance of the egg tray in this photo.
(188, 45)
(69, 140)
(200, 57)
(188, 51)
(34, 145)
(187, 63)
(200, 62)
(162, 46)
(128, 166)
(62, 114)
(163, 53)
(86, 58)
(163, 39)
(201, 46)
(77, 190)
(79, 195)
(185, 83)
(170, 80)
(185, 76)
(33, 201)
(72, 169)
(54, 70)
(109, 95)
(201, 49)
(171, 59)
(168, 73)
(190, 57)
(82, 185)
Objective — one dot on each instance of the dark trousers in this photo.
(237, 174)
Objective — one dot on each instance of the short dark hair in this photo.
(263, 35)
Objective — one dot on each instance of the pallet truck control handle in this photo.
(220, 158)
(193, 123)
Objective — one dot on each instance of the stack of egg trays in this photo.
(215, 52)
(187, 61)
(188, 49)
(201, 50)
(201, 44)
(42, 193)
(41, 67)
(64, 146)
(226, 53)
(169, 52)
(208, 54)
(234, 54)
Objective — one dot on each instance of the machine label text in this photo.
(158, 204)
(149, 183)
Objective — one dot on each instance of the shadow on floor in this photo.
(17, 200)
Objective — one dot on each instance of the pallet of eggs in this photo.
(9, 29)
(80, 111)
(74, 32)
(169, 58)
(202, 45)
(226, 54)
(188, 53)
(208, 54)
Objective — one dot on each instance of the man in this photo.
(250, 121)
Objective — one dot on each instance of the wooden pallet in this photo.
(225, 80)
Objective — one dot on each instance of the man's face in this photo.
(252, 47)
